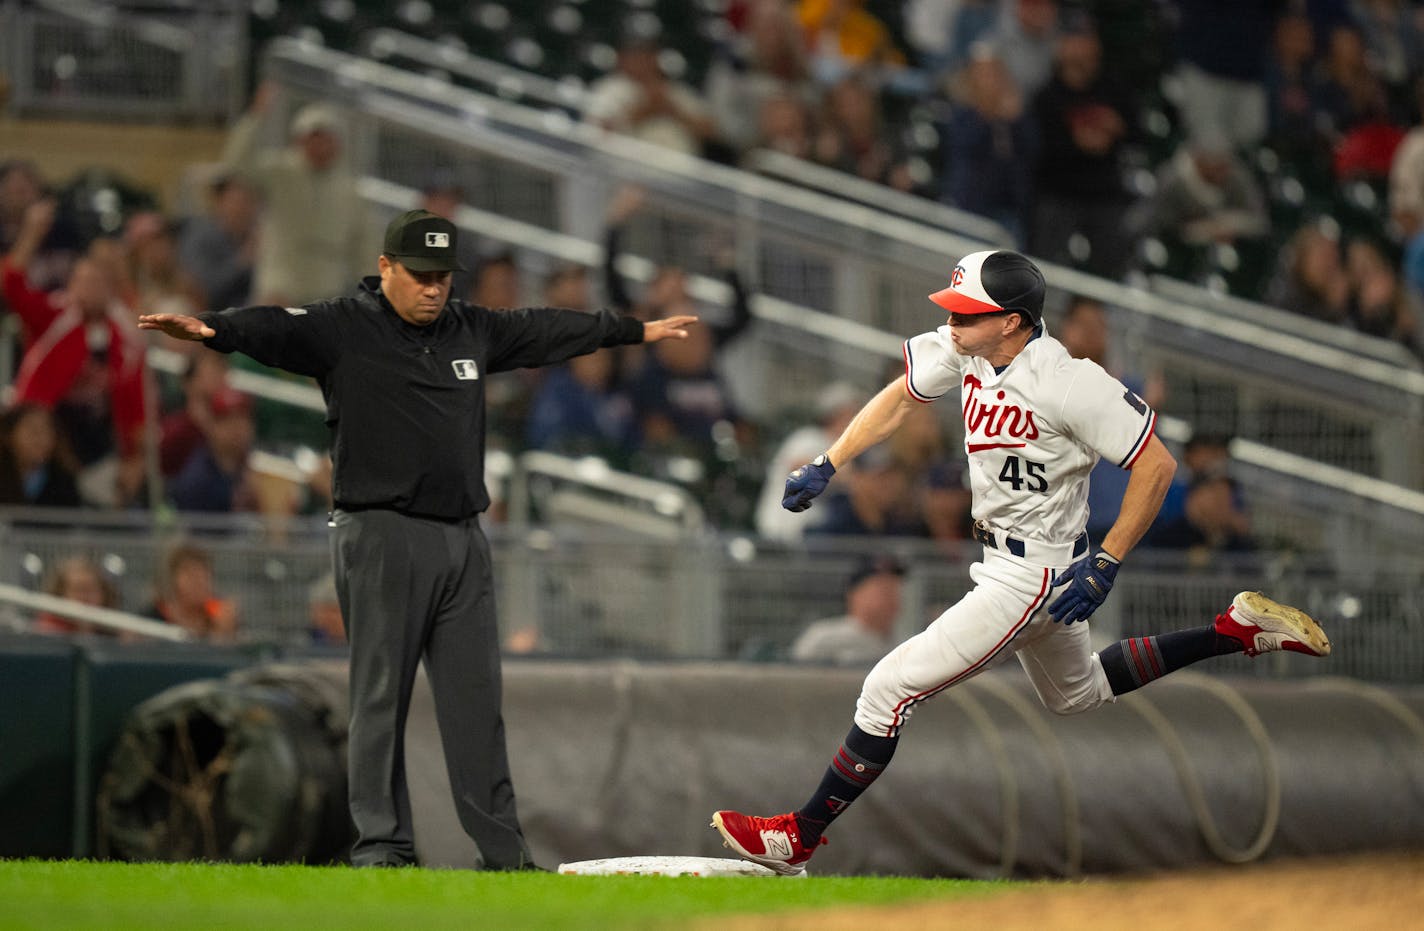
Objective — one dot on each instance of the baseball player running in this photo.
(1035, 423)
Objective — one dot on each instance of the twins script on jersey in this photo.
(1034, 431)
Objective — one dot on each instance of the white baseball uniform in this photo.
(1032, 433)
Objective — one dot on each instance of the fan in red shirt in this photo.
(81, 356)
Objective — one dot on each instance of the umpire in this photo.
(402, 368)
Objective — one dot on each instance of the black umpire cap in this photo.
(994, 282)
(423, 242)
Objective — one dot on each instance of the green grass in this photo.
(81, 894)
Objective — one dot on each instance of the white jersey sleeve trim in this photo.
(910, 380)
(1143, 438)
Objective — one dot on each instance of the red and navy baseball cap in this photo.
(423, 242)
(994, 282)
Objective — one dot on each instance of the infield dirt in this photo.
(1350, 894)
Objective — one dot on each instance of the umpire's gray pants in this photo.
(412, 587)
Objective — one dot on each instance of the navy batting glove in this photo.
(807, 482)
(1089, 581)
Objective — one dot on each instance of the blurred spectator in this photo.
(989, 145)
(1085, 334)
(1212, 522)
(866, 631)
(785, 124)
(680, 398)
(942, 31)
(496, 283)
(1310, 276)
(938, 497)
(1406, 172)
(1366, 150)
(443, 196)
(314, 236)
(187, 597)
(78, 579)
(1204, 455)
(946, 499)
(1379, 303)
(218, 247)
(181, 431)
(1394, 48)
(1348, 91)
(667, 292)
(35, 467)
(161, 285)
(767, 63)
(1206, 195)
(1024, 40)
(639, 100)
(216, 477)
(1291, 92)
(843, 38)
(21, 186)
(875, 500)
(1082, 121)
(568, 286)
(1411, 231)
(83, 355)
(1221, 70)
(836, 404)
(579, 410)
(853, 137)
(324, 624)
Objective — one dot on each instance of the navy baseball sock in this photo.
(859, 762)
(1132, 663)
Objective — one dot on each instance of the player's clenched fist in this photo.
(1089, 581)
(807, 482)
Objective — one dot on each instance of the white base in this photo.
(666, 866)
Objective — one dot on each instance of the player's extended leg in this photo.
(970, 637)
(1254, 624)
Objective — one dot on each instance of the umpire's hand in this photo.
(807, 482)
(674, 327)
(177, 326)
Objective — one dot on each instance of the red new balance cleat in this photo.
(775, 843)
(1265, 626)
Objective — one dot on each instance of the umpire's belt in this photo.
(1048, 554)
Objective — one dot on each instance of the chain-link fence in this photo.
(596, 592)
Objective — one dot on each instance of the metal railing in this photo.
(1284, 389)
(170, 61)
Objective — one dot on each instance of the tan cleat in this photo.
(1265, 626)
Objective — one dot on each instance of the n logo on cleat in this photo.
(776, 845)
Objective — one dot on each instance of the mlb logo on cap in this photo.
(422, 242)
(994, 282)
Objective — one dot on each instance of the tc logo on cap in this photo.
(437, 240)
(958, 276)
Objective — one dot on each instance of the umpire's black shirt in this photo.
(406, 404)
